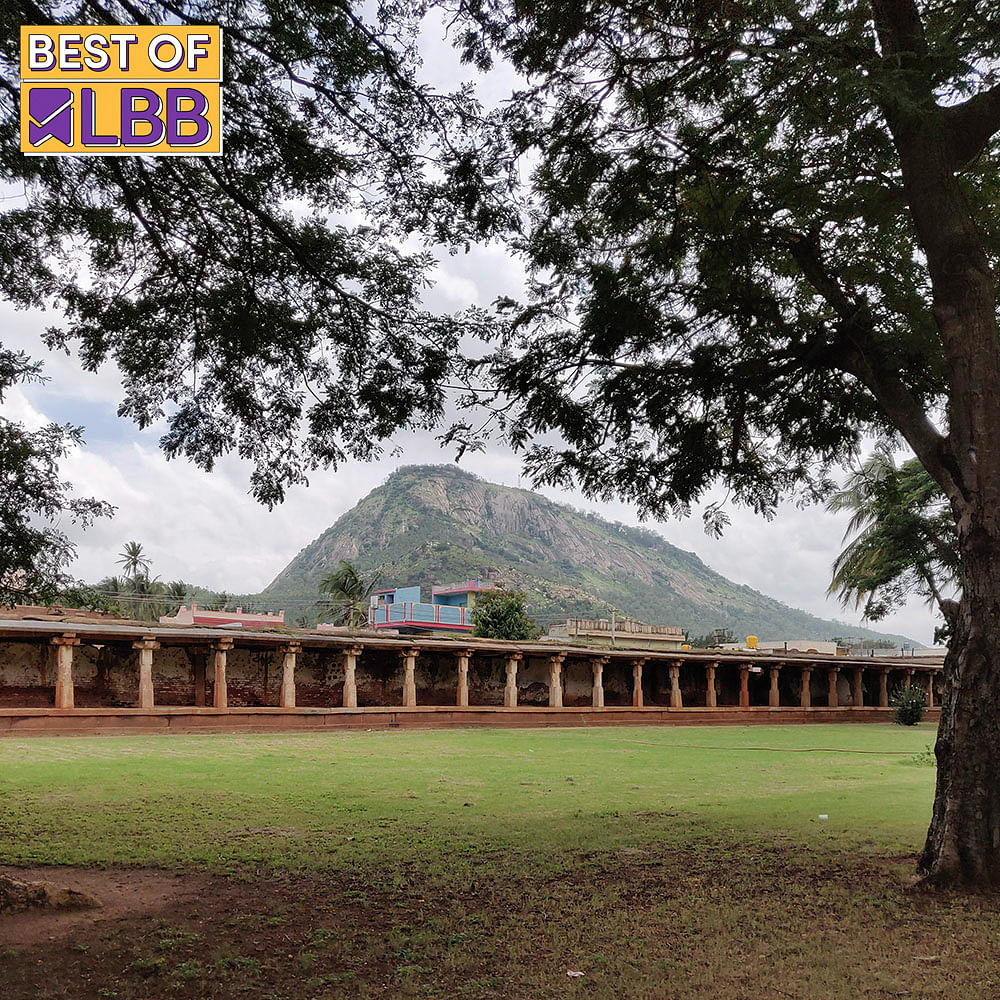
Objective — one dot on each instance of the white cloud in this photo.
(17, 407)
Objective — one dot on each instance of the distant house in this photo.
(604, 631)
(450, 608)
(238, 618)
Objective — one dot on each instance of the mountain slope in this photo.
(434, 524)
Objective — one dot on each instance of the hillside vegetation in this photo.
(433, 524)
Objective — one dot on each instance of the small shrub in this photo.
(501, 614)
(908, 704)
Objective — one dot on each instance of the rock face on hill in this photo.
(435, 524)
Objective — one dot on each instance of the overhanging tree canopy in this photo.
(266, 301)
(36, 505)
(728, 275)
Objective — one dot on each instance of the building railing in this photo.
(412, 613)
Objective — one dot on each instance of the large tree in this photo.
(762, 229)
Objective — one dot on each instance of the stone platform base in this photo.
(95, 721)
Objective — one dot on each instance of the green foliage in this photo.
(34, 500)
(220, 602)
(348, 593)
(501, 614)
(729, 278)
(908, 704)
(86, 597)
(250, 298)
(135, 595)
(905, 539)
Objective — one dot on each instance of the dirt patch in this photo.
(741, 925)
(117, 892)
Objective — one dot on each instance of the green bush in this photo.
(909, 704)
(501, 614)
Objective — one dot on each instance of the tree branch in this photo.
(970, 126)
(860, 355)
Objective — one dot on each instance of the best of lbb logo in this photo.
(121, 90)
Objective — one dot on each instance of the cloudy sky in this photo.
(204, 528)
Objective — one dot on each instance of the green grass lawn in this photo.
(660, 862)
(326, 801)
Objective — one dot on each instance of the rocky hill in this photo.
(434, 524)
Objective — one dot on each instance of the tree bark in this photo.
(963, 842)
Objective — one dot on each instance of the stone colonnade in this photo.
(146, 646)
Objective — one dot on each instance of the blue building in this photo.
(450, 608)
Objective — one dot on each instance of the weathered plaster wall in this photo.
(107, 676)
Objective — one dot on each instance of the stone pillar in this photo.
(831, 687)
(145, 647)
(221, 692)
(883, 688)
(773, 695)
(676, 701)
(409, 677)
(805, 695)
(909, 677)
(930, 689)
(351, 654)
(711, 700)
(462, 694)
(64, 645)
(555, 680)
(744, 685)
(857, 688)
(598, 665)
(637, 683)
(289, 651)
(510, 689)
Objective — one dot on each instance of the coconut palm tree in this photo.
(112, 586)
(904, 538)
(134, 561)
(347, 597)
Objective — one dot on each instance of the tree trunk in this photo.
(963, 842)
